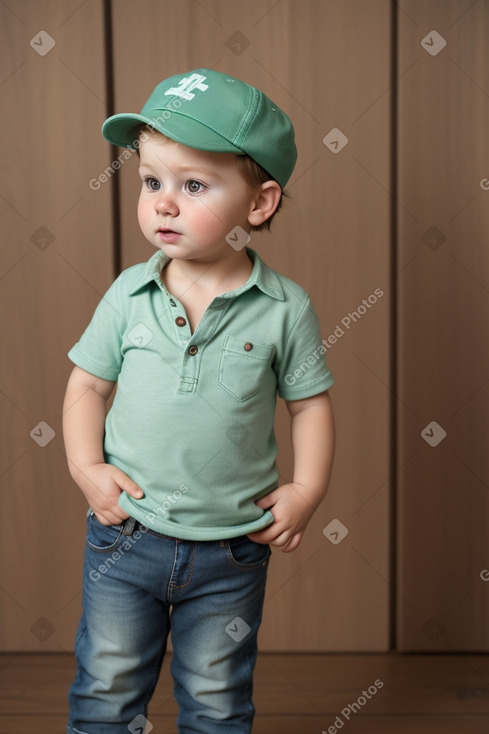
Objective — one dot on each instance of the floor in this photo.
(294, 694)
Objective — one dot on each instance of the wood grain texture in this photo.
(432, 694)
(443, 316)
(56, 262)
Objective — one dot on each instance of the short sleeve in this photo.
(99, 349)
(304, 371)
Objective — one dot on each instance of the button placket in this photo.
(180, 323)
(192, 354)
(189, 374)
(177, 317)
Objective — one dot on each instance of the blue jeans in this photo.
(137, 584)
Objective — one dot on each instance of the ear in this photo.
(265, 203)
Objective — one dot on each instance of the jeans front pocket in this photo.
(246, 554)
(102, 538)
(243, 366)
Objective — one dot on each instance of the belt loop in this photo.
(129, 525)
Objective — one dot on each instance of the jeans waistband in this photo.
(131, 525)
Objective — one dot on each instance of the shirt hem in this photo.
(88, 364)
(189, 532)
(307, 391)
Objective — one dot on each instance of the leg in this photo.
(217, 610)
(122, 635)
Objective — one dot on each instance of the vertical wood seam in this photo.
(110, 110)
(393, 324)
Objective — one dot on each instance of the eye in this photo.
(152, 183)
(194, 187)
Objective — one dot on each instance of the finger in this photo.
(107, 518)
(258, 537)
(268, 501)
(292, 544)
(282, 539)
(267, 535)
(126, 484)
(116, 516)
(279, 542)
(119, 516)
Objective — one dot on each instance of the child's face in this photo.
(191, 199)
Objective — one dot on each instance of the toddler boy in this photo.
(180, 476)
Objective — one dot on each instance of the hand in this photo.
(102, 484)
(291, 513)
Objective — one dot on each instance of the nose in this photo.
(166, 204)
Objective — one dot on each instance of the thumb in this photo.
(126, 484)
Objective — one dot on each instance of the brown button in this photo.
(248, 346)
(180, 321)
(193, 350)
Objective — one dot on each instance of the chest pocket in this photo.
(243, 366)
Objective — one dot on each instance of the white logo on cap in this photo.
(187, 84)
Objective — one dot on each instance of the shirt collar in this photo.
(262, 276)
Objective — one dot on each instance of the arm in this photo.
(293, 505)
(84, 411)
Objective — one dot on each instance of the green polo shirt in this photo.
(192, 418)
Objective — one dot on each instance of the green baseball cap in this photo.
(208, 110)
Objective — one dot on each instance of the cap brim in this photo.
(121, 130)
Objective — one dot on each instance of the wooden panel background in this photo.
(443, 266)
(328, 64)
(56, 262)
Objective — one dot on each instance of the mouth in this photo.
(168, 235)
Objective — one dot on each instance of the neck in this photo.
(220, 276)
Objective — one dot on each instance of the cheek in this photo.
(204, 217)
(143, 213)
(217, 213)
